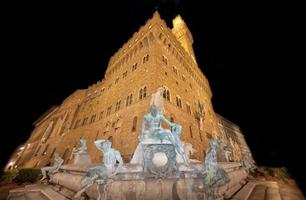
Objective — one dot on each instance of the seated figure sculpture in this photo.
(82, 147)
(104, 171)
(153, 132)
(57, 162)
(213, 175)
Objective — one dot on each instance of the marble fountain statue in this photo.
(159, 169)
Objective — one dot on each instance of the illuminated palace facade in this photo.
(114, 107)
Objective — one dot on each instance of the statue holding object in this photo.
(152, 131)
(106, 170)
(57, 162)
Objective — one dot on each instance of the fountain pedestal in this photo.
(159, 160)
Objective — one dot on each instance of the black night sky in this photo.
(245, 51)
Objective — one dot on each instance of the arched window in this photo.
(140, 94)
(178, 102)
(131, 99)
(127, 100)
(53, 151)
(190, 131)
(145, 92)
(118, 105)
(168, 95)
(145, 58)
(134, 124)
(165, 60)
(134, 67)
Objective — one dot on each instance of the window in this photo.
(93, 118)
(129, 100)
(124, 74)
(84, 121)
(166, 94)
(143, 93)
(190, 131)
(174, 69)
(145, 58)
(201, 136)
(140, 94)
(134, 124)
(101, 115)
(118, 105)
(200, 107)
(109, 110)
(134, 67)
(188, 108)
(53, 151)
(178, 102)
(165, 60)
(140, 45)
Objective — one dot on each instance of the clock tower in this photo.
(183, 35)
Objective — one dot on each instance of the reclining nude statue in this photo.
(104, 171)
(57, 162)
(152, 131)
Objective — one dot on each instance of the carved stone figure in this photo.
(152, 131)
(157, 99)
(57, 162)
(248, 163)
(82, 149)
(106, 170)
(214, 176)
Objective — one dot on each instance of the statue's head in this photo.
(153, 110)
(104, 144)
(214, 142)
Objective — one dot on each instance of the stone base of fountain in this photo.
(132, 183)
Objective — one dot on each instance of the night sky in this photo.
(245, 51)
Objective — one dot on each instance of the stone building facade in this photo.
(232, 136)
(114, 107)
